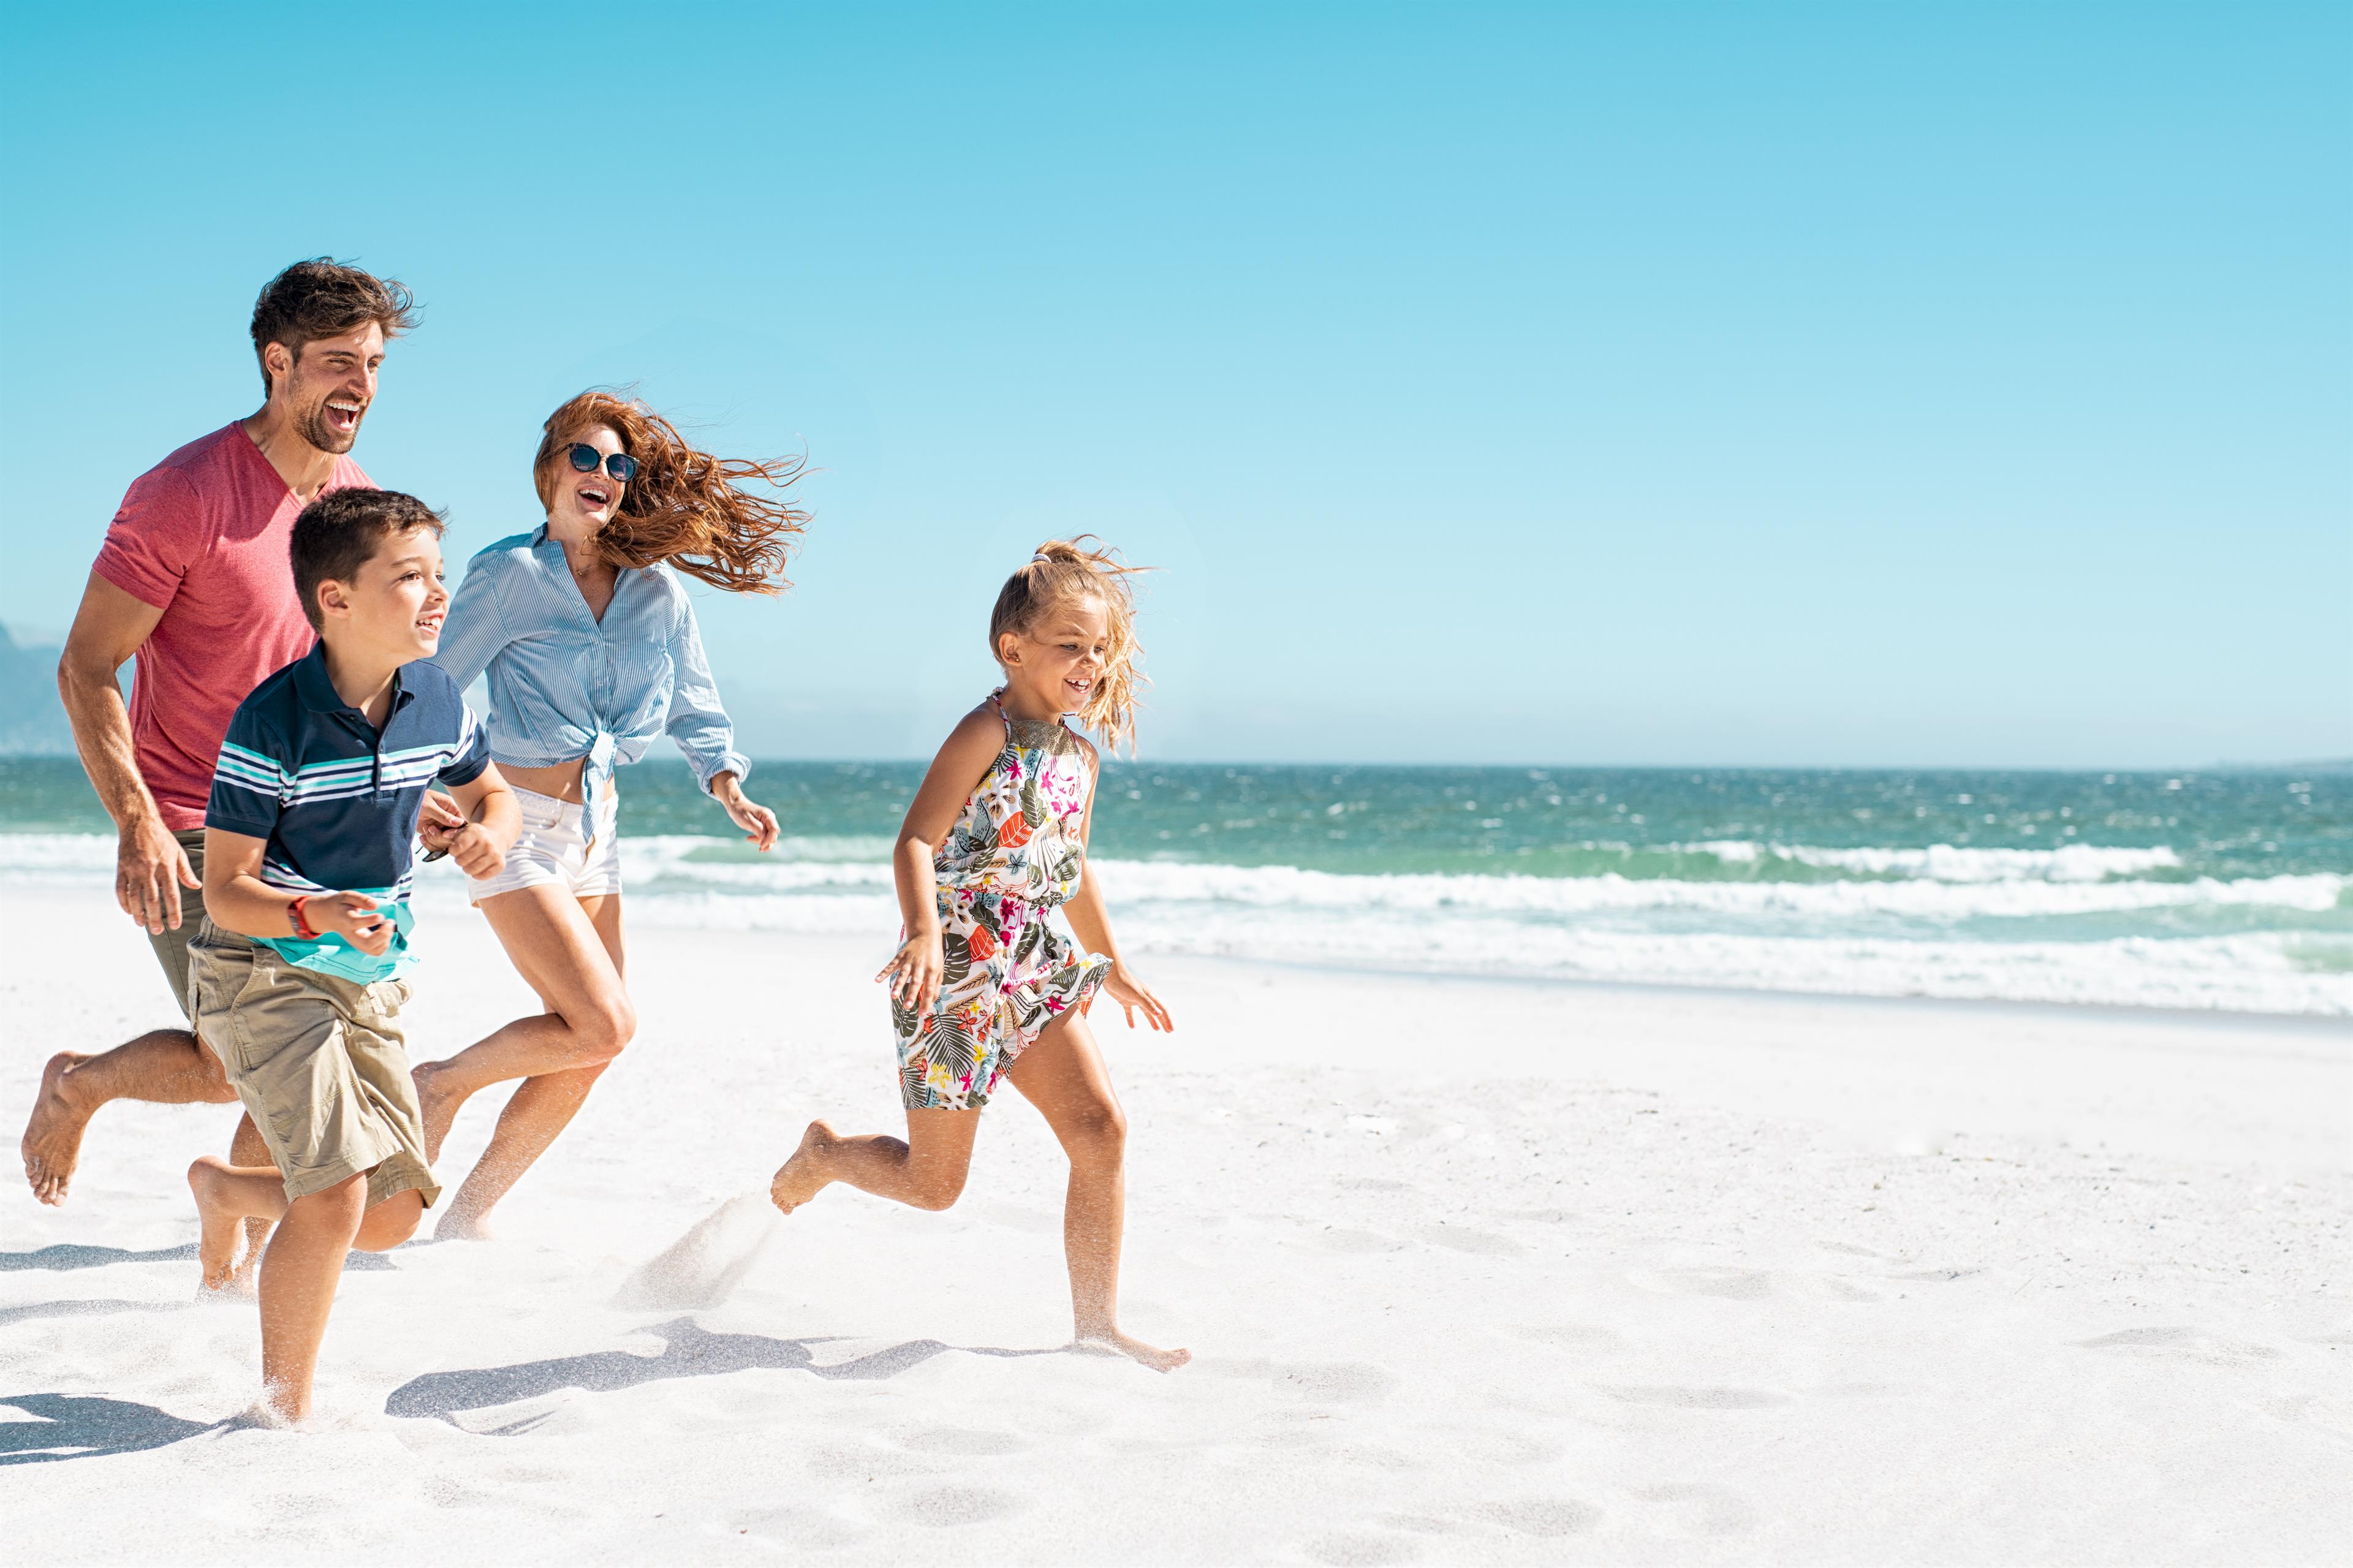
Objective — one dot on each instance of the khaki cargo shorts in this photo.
(318, 1060)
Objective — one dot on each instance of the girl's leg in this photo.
(1064, 1076)
(927, 1170)
(570, 950)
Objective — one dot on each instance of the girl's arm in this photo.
(914, 970)
(1090, 923)
(236, 898)
(703, 732)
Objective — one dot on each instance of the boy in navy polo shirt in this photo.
(293, 979)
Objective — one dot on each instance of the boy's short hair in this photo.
(322, 298)
(339, 533)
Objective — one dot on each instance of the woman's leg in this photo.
(569, 951)
(1064, 1076)
(927, 1170)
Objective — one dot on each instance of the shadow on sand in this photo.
(65, 1254)
(74, 1427)
(688, 1350)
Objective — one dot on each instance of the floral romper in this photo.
(1012, 856)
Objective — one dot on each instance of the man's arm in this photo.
(150, 868)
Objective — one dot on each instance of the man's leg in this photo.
(167, 1067)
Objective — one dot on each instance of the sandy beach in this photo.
(1475, 1271)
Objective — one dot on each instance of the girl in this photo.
(982, 988)
(591, 647)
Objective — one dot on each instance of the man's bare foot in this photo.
(439, 1102)
(52, 1144)
(803, 1176)
(460, 1225)
(219, 1227)
(1128, 1345)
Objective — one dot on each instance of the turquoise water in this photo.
(2204, 889)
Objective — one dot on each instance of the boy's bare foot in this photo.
(437, 1102)
(803, 1176)
(52, 1144)
(1128, 1345)
(219, 1228)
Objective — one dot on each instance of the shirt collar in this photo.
(319, 693)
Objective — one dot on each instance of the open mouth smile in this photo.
(592, 497)
(344, 414)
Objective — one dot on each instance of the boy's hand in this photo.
(1132, 993)
(357, 918)
(915, 972)
(478, 852)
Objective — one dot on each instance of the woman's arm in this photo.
(1090, 923)
(700, 727)
(236, 898)
(914, 970)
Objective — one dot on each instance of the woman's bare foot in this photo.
(1117, 1343)
(219, 1227)
(52, 1144)
(804, 1176)
(459, 1225)
(437, 1102)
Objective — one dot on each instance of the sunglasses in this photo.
(620, 465)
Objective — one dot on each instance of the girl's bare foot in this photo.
(1128, 1345)
(804, 1176)
(219, 1227)
(438, 1103)
(52, 1144)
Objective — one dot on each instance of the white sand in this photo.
(1475, 1272)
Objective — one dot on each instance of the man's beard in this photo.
(313, 427)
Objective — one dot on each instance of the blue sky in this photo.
(1904, 385)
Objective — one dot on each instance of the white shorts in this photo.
(553, 851)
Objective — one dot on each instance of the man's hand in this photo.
(150, 869)
(357, 918)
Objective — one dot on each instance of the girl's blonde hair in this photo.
(1065, 569)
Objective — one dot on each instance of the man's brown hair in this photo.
(322, 298)
(339, 532)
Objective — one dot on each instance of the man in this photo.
(193, 581)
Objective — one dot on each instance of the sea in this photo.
(2225, 889)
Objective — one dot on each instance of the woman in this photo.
(590, 644)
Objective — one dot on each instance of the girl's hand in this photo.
(915, 972)
(758, 823)
(1132, 993)
(355, 917)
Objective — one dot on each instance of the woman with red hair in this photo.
(589, 642)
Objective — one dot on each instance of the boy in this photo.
(308, 839)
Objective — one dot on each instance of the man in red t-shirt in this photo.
(193, 582)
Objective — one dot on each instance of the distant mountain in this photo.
(32, 720)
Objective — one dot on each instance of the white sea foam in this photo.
(1954, 863)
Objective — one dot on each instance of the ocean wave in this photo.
(1953, 863)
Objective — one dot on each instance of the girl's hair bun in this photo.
(1063, 569)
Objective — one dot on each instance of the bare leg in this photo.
(569, 951)
(926, 1170)
(1064, 1076)
(165, 1067)
(247, 1150)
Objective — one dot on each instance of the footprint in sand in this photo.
(1340, 1239)
(946, 1507)
(1705, 1510)
(1461, 1238)
(1694, 1398)
(2183, 1344)
(1347, 1381)
(1540, 1516)
(800, 1529)
(1730, 1284)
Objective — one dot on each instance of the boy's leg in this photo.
(1064, 1076)
(299, 1276)
(926, 1170)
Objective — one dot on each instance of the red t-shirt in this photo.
(202, 537)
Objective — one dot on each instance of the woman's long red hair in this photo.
(685, 506)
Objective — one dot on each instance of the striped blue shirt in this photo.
(336, 801)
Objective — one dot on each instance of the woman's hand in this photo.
(758, 823)
(438, 822)
(915, 970)
(1132, 993)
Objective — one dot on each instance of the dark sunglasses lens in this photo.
(584, 456)
(622, 467)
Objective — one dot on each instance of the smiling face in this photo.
(391, 610)
(1052, 664)
(327, 390)
(579, 504)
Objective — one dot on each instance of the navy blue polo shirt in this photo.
(335, 799)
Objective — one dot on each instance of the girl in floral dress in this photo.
(983, 989)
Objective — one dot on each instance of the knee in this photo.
(1099, 1136)
(602, 1029)
(938, 1191)
(341, 1207)
(390, 1222)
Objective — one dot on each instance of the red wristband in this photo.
(300, 921)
